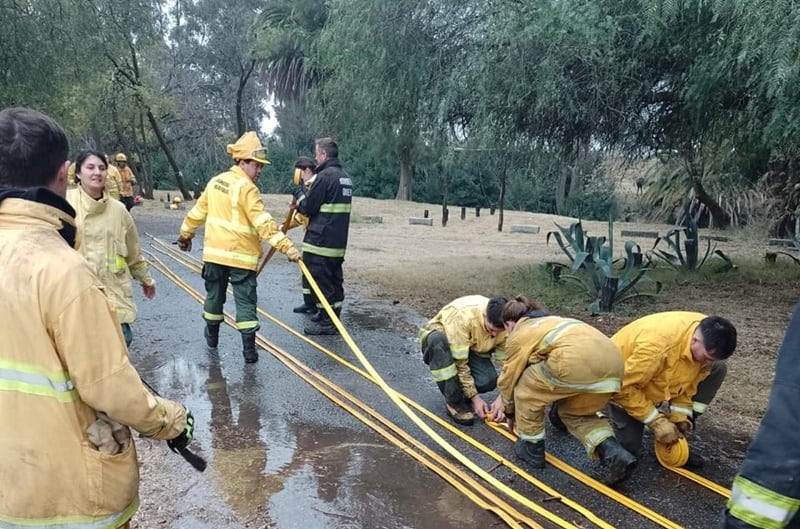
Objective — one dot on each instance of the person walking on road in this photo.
(109, 240)
(552, 359)
(236, 223)
(673, 369)
(458, 345)
(327, 205)
(127, 180)
(68, 393)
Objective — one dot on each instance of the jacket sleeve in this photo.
(515, 364)
(136, 263)
(641, 367)
(89, 340)
(457, 331)
(262, 221)
(196, 216)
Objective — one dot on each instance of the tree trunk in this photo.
(147, 167)
(719, 217)
(241, 125)
(170, 158)
(502, 198)
(406, 175)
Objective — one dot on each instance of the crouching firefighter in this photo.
(551, 359)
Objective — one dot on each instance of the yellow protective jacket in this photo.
(127, 179)
(113, 182)
(110, 242)
(658, 364)
(62, 360)
(576, 356)
(462, 322)
(236, 222)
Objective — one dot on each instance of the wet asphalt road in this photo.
(282, 455)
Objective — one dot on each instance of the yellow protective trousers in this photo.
(538, 388)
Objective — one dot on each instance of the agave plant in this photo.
(593, 267)
(683, 251)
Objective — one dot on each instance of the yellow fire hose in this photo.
(442, 467)
(644, 511)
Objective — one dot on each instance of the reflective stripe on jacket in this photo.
(574, 355)
(766, 493)
(462, 321)
(327, 206)
(658, 364)
(236, 222)
(110, 242)
(62, 357)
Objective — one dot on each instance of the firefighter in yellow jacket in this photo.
(236, 222)
(458, 345)
(673, 370)
(109, 240)
(549, 359)
(65, 373)
(126, 180)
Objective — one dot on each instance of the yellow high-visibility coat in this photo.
(462, 322)
(110, 242)
(236, 222)
(659, 366)
(113, 182)
(127, 179)
(64, 360)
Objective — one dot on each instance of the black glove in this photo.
(299, 193)
(182, 441)
(184, 244)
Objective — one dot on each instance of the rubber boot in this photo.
(249, 348)
(321, 327)
(305, 309)
(695, 461)
(555, 418)
(530, 453)
(318, 315)
(619, 462)
(461, 413)
(211, 333)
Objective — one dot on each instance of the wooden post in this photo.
(425, 214)
(491, 210)
(445, 214)
(477, 212)
(463, 213)
(608, 293)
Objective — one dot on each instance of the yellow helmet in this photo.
(121, 157)
(248, 147)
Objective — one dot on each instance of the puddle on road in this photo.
(281, 471)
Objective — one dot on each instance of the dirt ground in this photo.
(424, 267)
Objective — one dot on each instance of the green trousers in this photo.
(243, 283)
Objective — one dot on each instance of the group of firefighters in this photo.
(659, 372)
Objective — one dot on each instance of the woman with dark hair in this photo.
(553, 359)
(109, 240)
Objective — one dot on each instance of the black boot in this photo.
(305, 309)
(249, 348)
(695, 461)
(531, 453)
(619, 462)
(323, 326)
(211, 333)
(555, 418)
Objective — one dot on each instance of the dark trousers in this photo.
(628, 430)
(327, 272)
(436, 354)
(309, 298)
(243, 283)
(128, 201)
